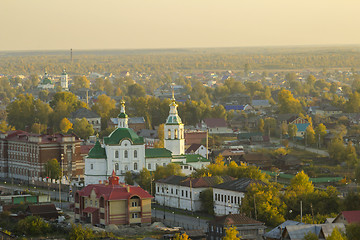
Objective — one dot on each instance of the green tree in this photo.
(160, 131)
(129, 178)
(336, 149)
(38, 128)
(320, 132)
(301, 184)
(353, 231)
(145, 179)
(207, 201)
(83, 128)
(65, 125)
(80, 82)
(350, 155)
(270, 125)
(311, 236)
(136, 90)
(168, 170)
(32, 226)
(231, 234)
(292, 130)
(52, 169)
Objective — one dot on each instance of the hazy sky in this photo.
(123, 24)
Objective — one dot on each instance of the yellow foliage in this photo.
(231, 234)
(183, 236)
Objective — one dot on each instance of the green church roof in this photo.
(195, 158)
(123, 133)
(157, 153)
(46, 81)
(173, 120)
(122, 115)
(97, 151)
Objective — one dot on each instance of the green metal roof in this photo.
(122, 115)
(46, 81)
(97, 151)
(173, 120)
(123, 133)
(314, 180)
(157, 153)
(195, 158)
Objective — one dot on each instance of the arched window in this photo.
(135, 154)
(169, 134)
(135, 166)
(116, 167)
(176, 134)
(126, 154)
(116, 154)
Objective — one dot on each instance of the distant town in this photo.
(249, 153)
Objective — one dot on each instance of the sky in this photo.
(139, 24)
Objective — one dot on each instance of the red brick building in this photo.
(113, 203)
(23, 154)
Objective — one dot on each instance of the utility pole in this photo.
(301, 211)
(62, 158)
(255, 207)
(207, 143)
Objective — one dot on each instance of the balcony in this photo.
(135, 220)
(77, 205)
(135, 209)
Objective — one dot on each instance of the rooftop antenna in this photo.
(71, 57)
(172, 91)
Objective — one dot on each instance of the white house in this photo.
(196, 148)
(228, 195)
(183, 192)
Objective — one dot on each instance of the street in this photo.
(177, 220)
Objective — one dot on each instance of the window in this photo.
(186, 167)
(182, 193)
(186, 195)
(172, 191)
(158, 190)
(232, 199)
(126, 154)
(164, 164)
(177, 192)
(149, 166)
(135, 166)
(116, 154)
(116, 167)
(92, 166)
(126, 167)
(134, 215)
(135, 154)
(134, 204)
(215, 196)
(176, 134)
(169, 134)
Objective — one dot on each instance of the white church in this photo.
(123, 150)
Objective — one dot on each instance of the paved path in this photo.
(299, 146)
(178, 220)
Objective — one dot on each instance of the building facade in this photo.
(113, 203)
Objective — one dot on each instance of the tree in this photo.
(350, 155)
(207, 201)
(65, 125)
(83, 128)
(287, 103)
(32, 226)
(311, 236)
(261, 125)
(336, 235)
(38, 128)
(301, 184)
(4, 127)
(292, 130)
(77, 232)
(310, 135)
(129, 178)
(270, 125)
(336, 149)
(80, 82)
(103, 106)
(136, 90)
(168, 170)
(145, 179)
(320, 132)
(160, 131)
(183, 236)
(231, 234)
(353, 231)
(52, 169)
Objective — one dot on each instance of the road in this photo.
(178, 220)
(299, 146)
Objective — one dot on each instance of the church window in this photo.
(169, 134)
(149, 166)
(176, 134)
(116, 154)
(126, 154)
(135, 154)
(116, 167)
(92, 166)
(135, 166)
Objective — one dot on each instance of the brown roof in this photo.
(84, 149)
(236, 219)
(44, 210)
(255, 157)
(215, 122)
(193, 147)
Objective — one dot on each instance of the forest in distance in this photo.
(184, 60)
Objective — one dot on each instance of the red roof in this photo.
(351, 216)
(215, 122)
(84, 149)
(23, 136)
(90, 210)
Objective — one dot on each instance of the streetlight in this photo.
(174, 217)
(198, 220)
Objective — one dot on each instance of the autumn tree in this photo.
(292, 130)
(301, 184)
(78, 232)
(231, 233)
(261, 125)
(38, 128)
(336, 235)
(336, 149)
(52, 169)
(32, 226)
(160, 131)
(353, 231)
(350, 155)
(310, 236)
(103, 106)
(183, 236)
(65, 125)
(80, 82)
(320, 132)
(83, 128)
(136, 90)
(168, 170)
(145, 179)
(310, 135)
(4, 127)
(287, 103)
